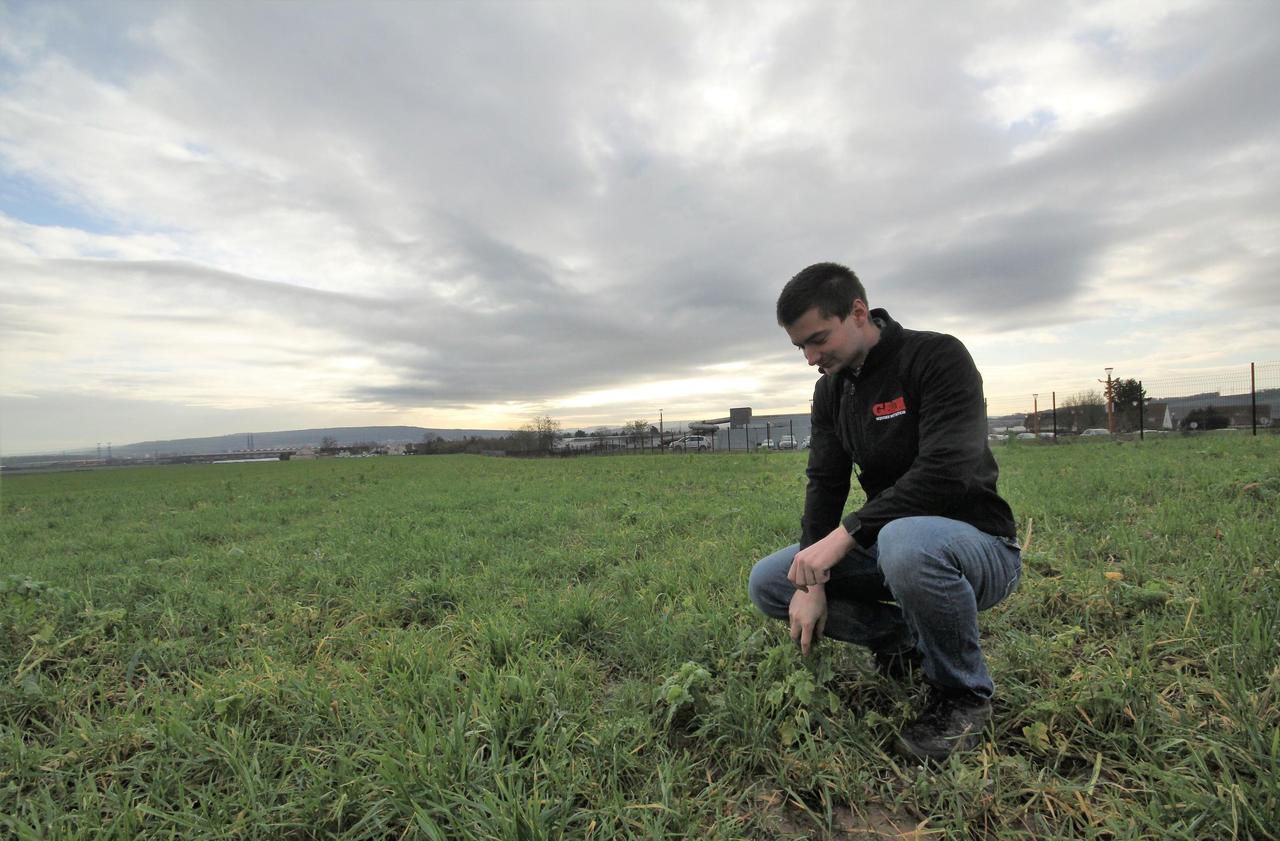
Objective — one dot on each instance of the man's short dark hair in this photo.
(830, 287)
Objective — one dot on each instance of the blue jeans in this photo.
(921, 585)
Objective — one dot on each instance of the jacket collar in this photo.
(885, 348)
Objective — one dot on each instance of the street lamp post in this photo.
(1035, 413)
(1110, 395)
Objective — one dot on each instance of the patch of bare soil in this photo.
(870, 823)
(875, 823)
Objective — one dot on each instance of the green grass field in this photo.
(465, 647)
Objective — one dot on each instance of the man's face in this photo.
(831, 343)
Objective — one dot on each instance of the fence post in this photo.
(1142, 412)
(1253, 396)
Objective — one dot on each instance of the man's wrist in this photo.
(843, 539)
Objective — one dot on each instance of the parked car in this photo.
(804, 445)
(697, 443)
(1095, 432)
(767, 444)
(1027, 436)
(788, 442)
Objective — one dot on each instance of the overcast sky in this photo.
(230, 217)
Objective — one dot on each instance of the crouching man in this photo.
(906, 574)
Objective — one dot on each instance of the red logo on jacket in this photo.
(890, 408)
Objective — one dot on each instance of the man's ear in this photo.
(860, 312)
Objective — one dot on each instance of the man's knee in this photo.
(767, 585)
(757, 586)
(906, 547)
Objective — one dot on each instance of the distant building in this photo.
(1243, 415)
(1156, 415)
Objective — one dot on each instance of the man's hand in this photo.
(812, 565)
(808, 614)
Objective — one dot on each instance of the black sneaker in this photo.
(899, 665)
(950, 722)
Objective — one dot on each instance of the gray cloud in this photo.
(516, 202)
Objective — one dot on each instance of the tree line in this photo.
(1088, 410)
(538, 436)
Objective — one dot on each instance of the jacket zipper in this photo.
(847, 419)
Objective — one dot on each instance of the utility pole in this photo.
(1110, 395)
(1035, 413)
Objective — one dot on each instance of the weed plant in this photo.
(461, 647)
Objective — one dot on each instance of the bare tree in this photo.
(636, 430)
(1083, 410)
(539, 434)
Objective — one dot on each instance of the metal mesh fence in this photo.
(1245, 397)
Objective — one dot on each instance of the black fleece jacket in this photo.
(913, 420)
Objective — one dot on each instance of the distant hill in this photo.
(299, 438)
(1006, 421)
